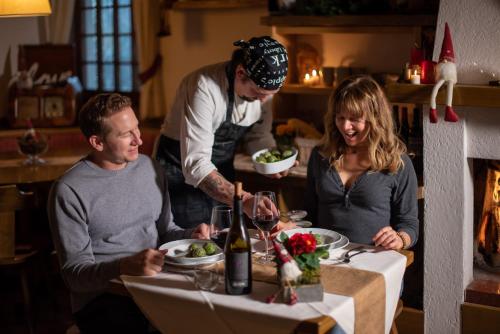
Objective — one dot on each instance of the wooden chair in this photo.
(14, 259)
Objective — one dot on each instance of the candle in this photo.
(307, 79)
(314, 77)
(415, 78)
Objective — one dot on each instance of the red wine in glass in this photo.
(220, 239)
(265, 223)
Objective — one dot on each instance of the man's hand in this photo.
(283, 173)
(148, 262)
(201, 232)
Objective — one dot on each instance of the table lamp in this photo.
(20, 8)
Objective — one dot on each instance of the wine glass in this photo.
(219, 222)
(265, 215)
(32, 146)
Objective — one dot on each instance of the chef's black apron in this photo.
(190, 205)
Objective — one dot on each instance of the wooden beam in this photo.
(463, 95)
(350, 21)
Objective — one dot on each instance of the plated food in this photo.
(324, 238)
(272, 161)
(192, 252)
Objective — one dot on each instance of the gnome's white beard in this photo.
(446, 71)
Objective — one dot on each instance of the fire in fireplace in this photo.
(488, 231)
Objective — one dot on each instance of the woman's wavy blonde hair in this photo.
(361, 97)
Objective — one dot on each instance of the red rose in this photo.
(301, 243)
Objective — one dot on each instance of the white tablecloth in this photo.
(174, 305)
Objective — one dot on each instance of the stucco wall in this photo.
(448, 149)
(202, 37)
(475, 30)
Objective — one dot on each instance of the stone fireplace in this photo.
(449, 150)
(449, 153)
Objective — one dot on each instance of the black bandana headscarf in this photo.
(265, 61)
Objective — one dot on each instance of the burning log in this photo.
(489, 229)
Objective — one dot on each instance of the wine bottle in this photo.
(405, 125)
(395, 116)
(238, 251)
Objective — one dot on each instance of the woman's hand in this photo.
(388, 238)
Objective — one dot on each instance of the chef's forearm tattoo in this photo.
(217, 187)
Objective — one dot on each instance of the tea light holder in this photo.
(415, 78)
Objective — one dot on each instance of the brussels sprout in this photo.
(287, 153)
(260, 159)
(319, 239)
(271, 158)
(275, 152)
(193, 246)
(210, 248)
(267, 154)
(198, 252)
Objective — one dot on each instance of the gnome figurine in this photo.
(446, 72)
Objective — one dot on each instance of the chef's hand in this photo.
(283, 173)
(148, 262)
(202, 231)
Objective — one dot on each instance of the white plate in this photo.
(177, 251)
(331, 238)
(303, 224)
(273, 167)
(344, 241)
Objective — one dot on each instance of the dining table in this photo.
(360, 297)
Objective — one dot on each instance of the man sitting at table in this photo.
(108, 215)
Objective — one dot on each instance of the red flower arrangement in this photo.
(301, 243)
(303, 248)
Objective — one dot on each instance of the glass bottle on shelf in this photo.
(405, 125)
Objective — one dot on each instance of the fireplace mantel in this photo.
(463, 95)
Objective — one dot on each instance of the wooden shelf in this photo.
(216, 4)
(292, 24)
(463, 95)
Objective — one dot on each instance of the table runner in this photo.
(367, 288)
(165, 298)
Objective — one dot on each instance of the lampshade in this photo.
(16, 8)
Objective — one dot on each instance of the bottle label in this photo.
(237, 266)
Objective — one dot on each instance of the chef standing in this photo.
(216, 107)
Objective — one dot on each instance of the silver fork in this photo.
(348, 255)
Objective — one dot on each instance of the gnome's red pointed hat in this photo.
(447, 47)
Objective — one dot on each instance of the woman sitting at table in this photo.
(360, 182)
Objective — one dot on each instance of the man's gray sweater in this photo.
(99, 216)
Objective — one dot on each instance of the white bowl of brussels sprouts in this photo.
(272, 161)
